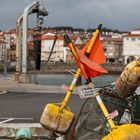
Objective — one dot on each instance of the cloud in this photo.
(120, 14)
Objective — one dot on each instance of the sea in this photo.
(66, 79)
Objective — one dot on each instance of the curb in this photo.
(9, 130)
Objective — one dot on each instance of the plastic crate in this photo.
(135, 111)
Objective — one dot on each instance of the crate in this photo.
(135, 109)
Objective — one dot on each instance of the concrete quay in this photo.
(9, 130)
(8, 85)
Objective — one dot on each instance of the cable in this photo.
(55, 39)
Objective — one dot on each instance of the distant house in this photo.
(131, 46)
(78, 43)
(3, 51)
(68, 54)
(113, 48)
(47, 41)
(8, 46)
(4, 46)
(61, 52)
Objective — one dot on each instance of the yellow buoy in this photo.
(129, 80)
(124, 132)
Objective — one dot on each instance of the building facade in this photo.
(4, 46)
(47, 42)
(113, 48)
(131, 46)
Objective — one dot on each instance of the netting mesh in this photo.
(91, 122)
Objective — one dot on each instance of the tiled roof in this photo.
(132, 35)
(137, 29)
(114, 40)
(2, 41)
(1, 35)
(51, 37)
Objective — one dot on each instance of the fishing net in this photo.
(91, 123)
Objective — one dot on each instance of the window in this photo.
(111, 60)
(105, 49)
(133, 39)
(110, 47)
(50, 47)
(110, 54)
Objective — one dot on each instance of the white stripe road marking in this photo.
(3, 92)
(18, 118)
(8, 120)
(11, 119)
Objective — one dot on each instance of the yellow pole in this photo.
(99, 100)
(71, 88)
(105, 112)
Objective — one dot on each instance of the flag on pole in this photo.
(88, 67)
(97, 52)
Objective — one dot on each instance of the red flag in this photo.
(97, 52)
(88, 67)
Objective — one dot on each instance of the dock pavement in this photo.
(7, 84)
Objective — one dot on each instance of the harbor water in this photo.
(60, 79)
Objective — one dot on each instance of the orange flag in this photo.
(97, 52)
(88, 67)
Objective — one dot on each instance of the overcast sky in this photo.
(123, 15)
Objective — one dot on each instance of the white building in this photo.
(47, 44)
(4, 46)
(60, 51)
(3, 51)
(113, 48)
(131, 46)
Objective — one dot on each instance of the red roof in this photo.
(51, 37)
(1, 36)
(2, 41)
(132, 35)
(114, 40)
(137, 29)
